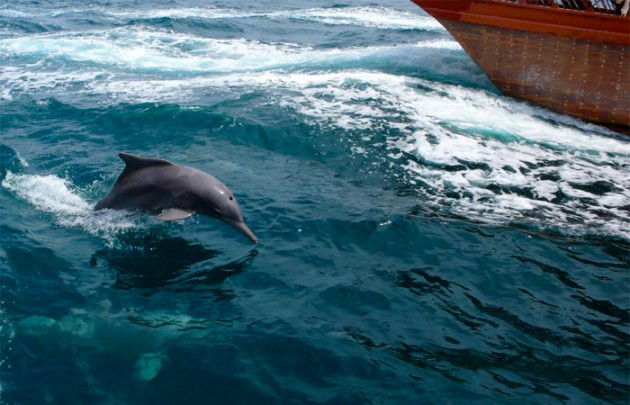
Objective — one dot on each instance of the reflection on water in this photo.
(148, 261)
(158, 261)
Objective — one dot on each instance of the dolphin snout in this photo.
(240, 225)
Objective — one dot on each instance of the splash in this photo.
(54, 195)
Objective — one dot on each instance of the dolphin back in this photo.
(134, 163)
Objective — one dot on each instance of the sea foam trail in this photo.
(115, 64)
(54, 195)
(160, 51)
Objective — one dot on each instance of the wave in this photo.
(365, 16)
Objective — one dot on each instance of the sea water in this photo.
(423, 239)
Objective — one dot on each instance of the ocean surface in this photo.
(423, 239)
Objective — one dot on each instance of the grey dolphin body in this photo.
(172, 192)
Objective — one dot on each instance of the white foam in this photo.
(208, 13)
(53, 195)
(130, 48)
(15, 13)
(49, 193)
(511, 149)
(373, 17)
(42, 84)
(440, 44)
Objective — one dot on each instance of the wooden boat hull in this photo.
(568, 61)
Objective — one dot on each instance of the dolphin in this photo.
(172, 192)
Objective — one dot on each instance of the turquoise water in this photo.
(423, 239)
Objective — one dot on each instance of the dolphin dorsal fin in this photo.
(134, 163)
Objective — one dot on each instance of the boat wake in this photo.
(481, 156)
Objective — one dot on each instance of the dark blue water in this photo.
(423, 238)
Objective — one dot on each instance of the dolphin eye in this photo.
(231, 198)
